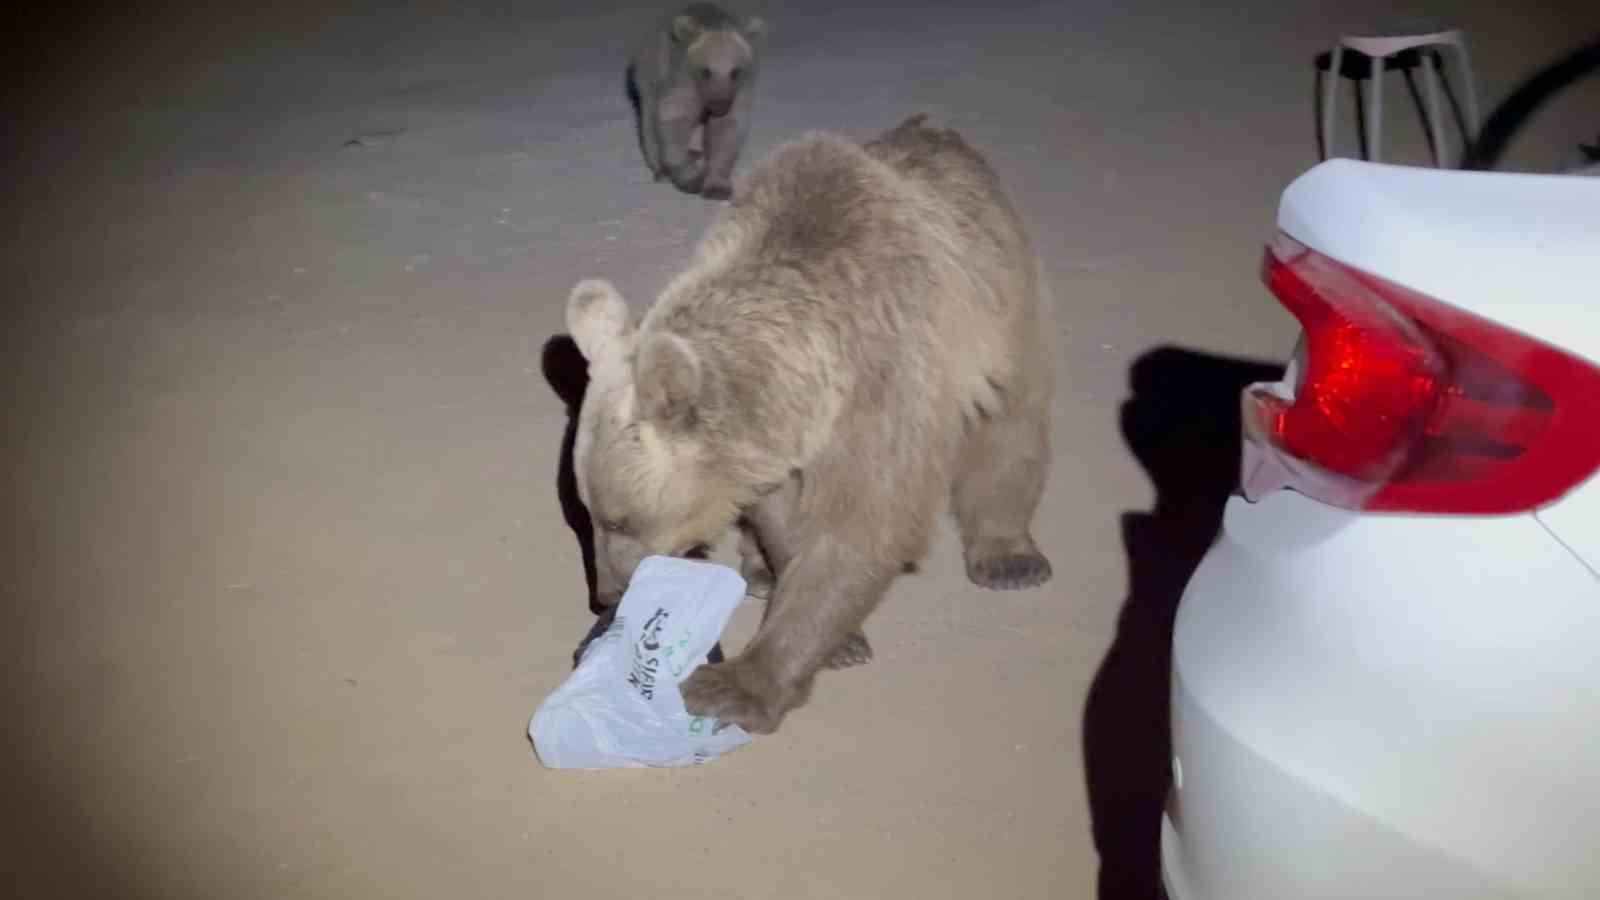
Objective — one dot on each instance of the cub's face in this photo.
(643, 469)
(720, 60)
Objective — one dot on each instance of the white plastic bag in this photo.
(621, 707)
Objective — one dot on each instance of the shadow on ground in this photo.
(1182, 424)
(567, 372)
(55, 844)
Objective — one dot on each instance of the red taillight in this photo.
(1404, 403)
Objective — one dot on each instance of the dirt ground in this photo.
(289, 570)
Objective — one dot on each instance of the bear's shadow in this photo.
(567, 373)
(1182, 423)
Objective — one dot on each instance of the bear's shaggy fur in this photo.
(860, 338)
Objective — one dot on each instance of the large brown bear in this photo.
(859, 338)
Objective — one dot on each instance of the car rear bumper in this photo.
(1384, 706)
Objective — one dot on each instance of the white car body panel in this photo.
(1523, 250)
(1411, 726)
(1575, 520)
(1402, 706)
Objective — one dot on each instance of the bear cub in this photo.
(697, 70)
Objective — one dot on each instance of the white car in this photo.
(1386, 671)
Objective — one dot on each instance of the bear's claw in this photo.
(1010, 569)
(724, 692)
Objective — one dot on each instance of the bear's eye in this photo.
(734, 75)
(614, 526)
(705, 73)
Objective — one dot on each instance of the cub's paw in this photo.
(729, 692)
(1008, 565)
(693, 162)
(717, 189)
(691, 176)
(689, 183)
(855, 651)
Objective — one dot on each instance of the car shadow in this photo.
(567, 373)
(1182, 423)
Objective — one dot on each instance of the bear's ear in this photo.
(685, 28)
(755, 28)
(597, 316)
(666, 381)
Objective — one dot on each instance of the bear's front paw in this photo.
(732, 693)
(1007, 565)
